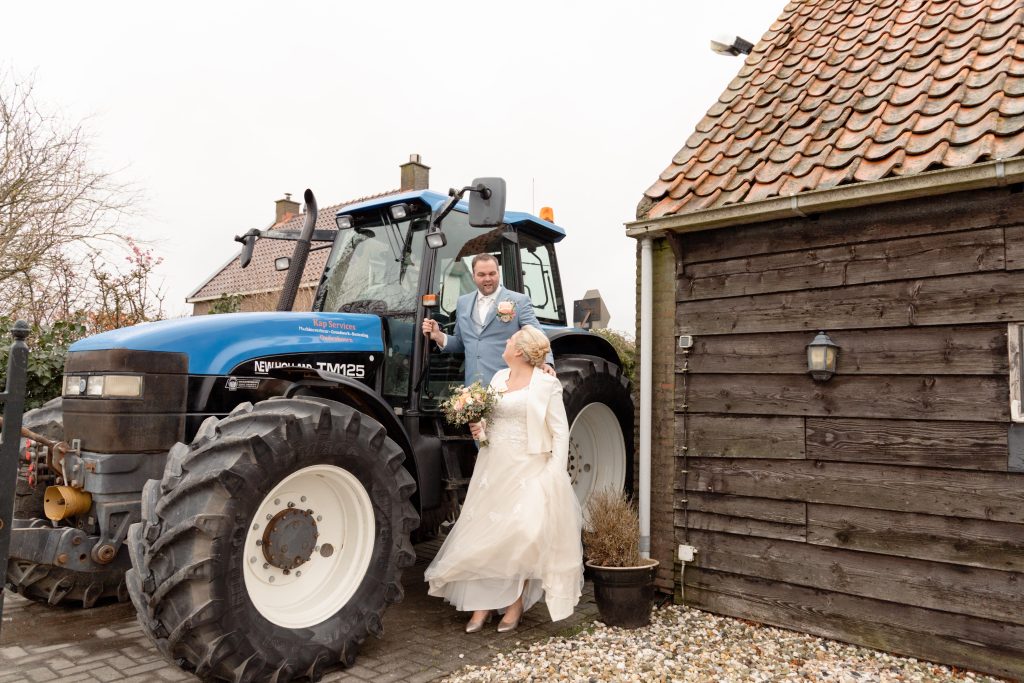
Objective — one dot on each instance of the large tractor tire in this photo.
(600, 411)
(54, 586)
(48, 421)
(274, 542)
(47, 583)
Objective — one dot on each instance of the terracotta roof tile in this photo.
(260, 276)
(841, 91)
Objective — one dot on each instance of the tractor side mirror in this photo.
(487, 202)
(248, 241)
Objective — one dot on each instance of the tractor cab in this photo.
(383, 263)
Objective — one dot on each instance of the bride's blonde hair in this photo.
(534, 344)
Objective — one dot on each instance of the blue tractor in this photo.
(252, 481)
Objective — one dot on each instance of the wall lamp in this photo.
(822, 354)
(730, 46)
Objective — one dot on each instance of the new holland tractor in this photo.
(252, 480)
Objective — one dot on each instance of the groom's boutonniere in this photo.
(506, 310)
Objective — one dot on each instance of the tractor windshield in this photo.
(374, 269)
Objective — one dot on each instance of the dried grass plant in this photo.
(611, 532)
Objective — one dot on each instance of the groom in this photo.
(484, 320)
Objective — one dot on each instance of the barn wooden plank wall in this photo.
(878, 507)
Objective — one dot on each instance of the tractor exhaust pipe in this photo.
(299, 255)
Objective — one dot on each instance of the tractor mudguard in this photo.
(423, 462)
(574, 341)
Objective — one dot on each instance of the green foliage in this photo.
(625, 347)
(47, 348)
(227, 303)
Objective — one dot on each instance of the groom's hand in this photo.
(432, 329)
(548, 370)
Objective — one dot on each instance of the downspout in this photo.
(646, 393)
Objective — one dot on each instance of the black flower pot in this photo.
(624, 594)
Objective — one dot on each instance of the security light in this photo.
(731, 46)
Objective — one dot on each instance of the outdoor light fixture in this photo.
(343, 222)
(731, 46)
(822, 354)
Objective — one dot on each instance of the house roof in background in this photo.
(260, 275)
(845, 91)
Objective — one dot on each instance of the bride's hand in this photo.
(476, 428)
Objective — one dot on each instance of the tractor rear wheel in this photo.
(600, 412)
(52, 585)
(274, 542)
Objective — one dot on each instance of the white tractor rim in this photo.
(315, 590)
(597, 452)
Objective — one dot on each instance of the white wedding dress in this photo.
(519, 529)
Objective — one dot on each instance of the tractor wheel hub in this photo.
(289, 538)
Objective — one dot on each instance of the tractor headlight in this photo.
(94, 386)
(104, 386)
(74, 386)
(122, 386)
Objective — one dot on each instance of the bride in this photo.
(517, 539)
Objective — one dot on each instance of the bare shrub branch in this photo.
(56, 209)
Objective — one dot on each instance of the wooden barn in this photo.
(862, 177)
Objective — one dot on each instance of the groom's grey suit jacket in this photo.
(484, 345)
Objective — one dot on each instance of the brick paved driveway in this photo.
(423, 640)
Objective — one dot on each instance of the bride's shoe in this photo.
(474, 625)
(506, 624)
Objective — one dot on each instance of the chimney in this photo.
(415, 176)
(284, 207)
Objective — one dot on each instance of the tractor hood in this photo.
(217, 343)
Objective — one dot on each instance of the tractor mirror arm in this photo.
(248, 241)
(455, 197)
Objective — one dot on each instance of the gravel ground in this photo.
(684, 644)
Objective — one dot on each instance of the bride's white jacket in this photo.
(547, 428)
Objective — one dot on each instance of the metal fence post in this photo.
(13, 399)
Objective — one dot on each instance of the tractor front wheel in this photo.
(274, 542)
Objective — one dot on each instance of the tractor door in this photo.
(453, 277)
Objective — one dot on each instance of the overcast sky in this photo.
(215, 109)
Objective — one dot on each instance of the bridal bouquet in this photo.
(470, 404)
